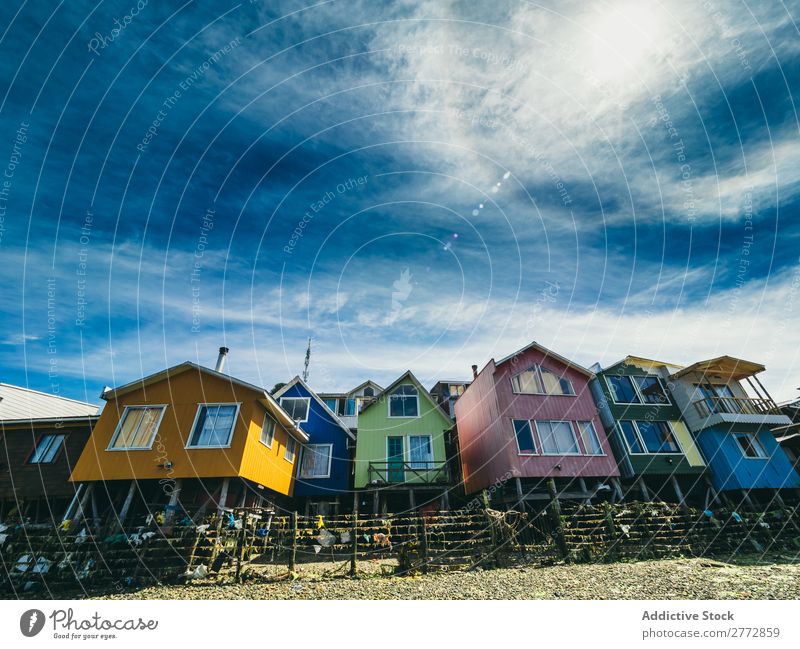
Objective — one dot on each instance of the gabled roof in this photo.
(367, 383)
(633, 359)
(409, 375)
(726, 367)
(298, 381)
(18, 403)
(266, 399)
(551, 354)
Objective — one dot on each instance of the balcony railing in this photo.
(735, 406)
(408, 472)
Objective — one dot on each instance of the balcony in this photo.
(708, 406)
(411, 473)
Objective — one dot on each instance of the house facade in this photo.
(323, 480)
(446, 393)
(732, 425)
(401, 459)
(41, 437)
(185, 440)
(656, 453)
(528, 418)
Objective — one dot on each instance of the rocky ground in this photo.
(748, 578)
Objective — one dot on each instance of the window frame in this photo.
(270, 418)
(520, 452)
(118, 429)
(635, 387)
(572, 431)
(303, 476)
(58, 450)
(392, 395)
(586, 451)
(637, 390)
(538, 371)
(754, 442)
(640, 438)
(293, 441)
(195, 447)
(407, 452)
(308, 408)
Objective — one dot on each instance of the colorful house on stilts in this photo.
(185, 440)
(401, 458)
(528, 429)
(322, 483)
(655, 451)
(732, 427)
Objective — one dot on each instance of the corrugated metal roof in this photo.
(21, 403)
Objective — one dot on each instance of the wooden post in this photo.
(520, 493)
(412, 504)
(123, 512)
(223, 495)
(746, 499)
(376, 502)
(173, 503)
(73, 503)
(611, 529)
(555, 517)
(293, 555)
(618, 488)
(240, 542)
(82, 504)
(354, 542)
(424, 544)
(445, 501)
(585, 490)
(678, 493)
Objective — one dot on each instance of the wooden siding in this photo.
(488, 435)
(246, 457)
(375, 425)
(20, 480)
(731, 470)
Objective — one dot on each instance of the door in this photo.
(394, 456)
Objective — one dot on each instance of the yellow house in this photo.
(183, 440)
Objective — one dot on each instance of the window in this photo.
(291, 449)
(651, 389)
(525, 444)
(331, 403)
(631, 437)
(404, 402)
(420, 451)
(268, 431)
(137, 428)
(47, 449)
(456, 390)
(557, 438)
(297, 407)
(213, 427)
(369, 392)
(591, 442)
(622, 389)
(649, 437)
(316, 462)
(538, 380)
(657, 437)
(750, 446)
(350, 408)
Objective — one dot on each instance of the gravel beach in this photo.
(661, 579)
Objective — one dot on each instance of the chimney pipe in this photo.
(223, 352)
(474, 371)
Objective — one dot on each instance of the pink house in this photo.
(530, 417)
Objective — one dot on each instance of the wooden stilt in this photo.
(678, 492)
(585, 490)
(412, 503)
(81, 510)
(123, 513)
(643, 489)
(555, 518)
(376, 502)
(223, 495)
(618, 488)
(293, 555)
(173, 502)
(355, 502)
(73, 503)
(445, 501)
(746, 499)
(520, 493)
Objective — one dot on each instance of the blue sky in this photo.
(605, 178)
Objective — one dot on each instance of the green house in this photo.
(655, 451)
(401, 450)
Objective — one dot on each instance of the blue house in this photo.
(731, 415)
(324, 472)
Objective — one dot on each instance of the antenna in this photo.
(308, 360)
